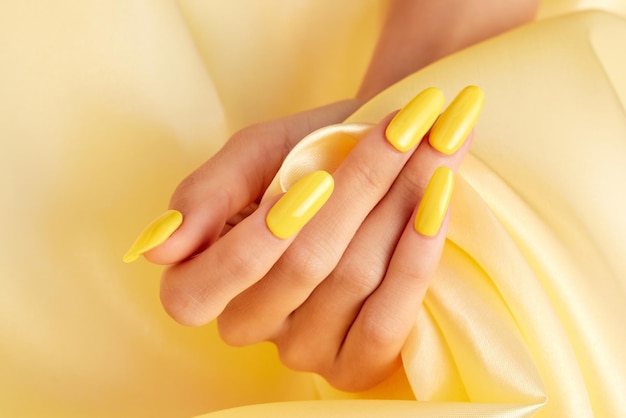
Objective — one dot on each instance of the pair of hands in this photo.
(340, 296)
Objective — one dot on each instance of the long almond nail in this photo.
(410, 125)
(434, 205)
(154, 234)
(457, 121)
(296, 207)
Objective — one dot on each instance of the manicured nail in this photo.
(410, 125)
(457, 121)
(434, 205)
(296, 207)
(155, 234)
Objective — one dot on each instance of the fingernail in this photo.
(434, 205)
(299, 204)
(154, 234)
(410, 125)
(457, 121)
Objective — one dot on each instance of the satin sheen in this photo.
(104, 107)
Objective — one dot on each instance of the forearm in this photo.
(419, 32)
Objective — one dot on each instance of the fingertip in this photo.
(455, 124)
(409, 126)
(433, 207)
(198, 230)
(296, 207)
(154, 234)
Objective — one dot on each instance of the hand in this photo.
(339, 297)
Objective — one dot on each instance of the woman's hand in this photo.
(339, 296)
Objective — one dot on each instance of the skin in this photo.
(419, 32)
(339, 297)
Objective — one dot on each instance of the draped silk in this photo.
(103, 111)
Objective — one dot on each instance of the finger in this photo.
(376, 337)
(336, 302)
(196, 291)
(233, 179)
(361, 181)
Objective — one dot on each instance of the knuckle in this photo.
(236, 265)
(245, 135)
(184, 192)
(379, 329)
(236, 332)
(295, 359)
(271, 136)
(412, 278)
(249, 132)
(196, 180)
(299, 354)
(307, 264)
(187, 183)
(358, 278)
(244, 322)
(193, 189)
(368, 178)
(411, 185)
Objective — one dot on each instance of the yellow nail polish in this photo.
(410, 125)
(154, 234)
(434, 205)
(296, 207)
(457, 121)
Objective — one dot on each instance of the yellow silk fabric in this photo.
(105, 106)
